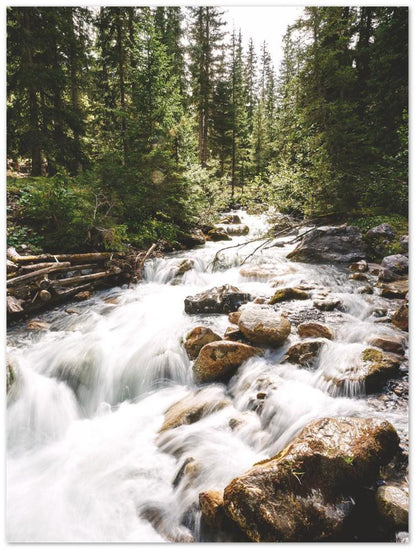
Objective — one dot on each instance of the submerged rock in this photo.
(315, 330)
(230, 219)
(302, 494)
(393, 505)
(284, 294)
(327, 305)
(261, 325)
(220, 360)
(184, 266)
(197, 339)
(392, 344)
(234, 229)
(395, 290)
(233, 334)
(192, 408)
(222, 299)
(217, 234)
(340, 244)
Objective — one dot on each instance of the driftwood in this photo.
(34, 274)
(73, 258)
(83, 278)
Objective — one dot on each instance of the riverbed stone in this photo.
(230, 219)
(396, 263)
(234, 334)
(197, 338)
(302, 493)
(184, 266)
(327, 305)
(234, 317)
(358, 277)
(261, 325)
(217, 234)
(223, 299)
(393, 505)
(220, 360)
(303, 353)
(192, 408)
(286, 294)
(257, 272)
(359, 267)
(401, 317)
(211, 504)
(395, 290)
(315, 330)
(338, 244)
(234, 229)
(391, 344)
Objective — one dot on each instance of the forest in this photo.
(139, 124)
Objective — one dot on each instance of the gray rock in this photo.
(397, 264)
(404, 243)
(223, 299)
(340, 244)
(393, 505)
(261, 325)
(383, 230)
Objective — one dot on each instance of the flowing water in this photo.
(86, 461)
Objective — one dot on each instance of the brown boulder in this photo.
(284, 294)
(192, 408)
(221, 299)
(359, 267)
(315, 330)
(211, 504)
(401, 317)
(262, 325)
(197, 339)
(327, 305)
(220, 360)
(392, 344)
(301, 494)
(233, 334)
(358, 277)
(234, 317)
(395, 290)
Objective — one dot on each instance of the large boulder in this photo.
(340, 244)
(395, 290)
(397, 264)
(222, 299)
(401, 317)
(302, 494)
(285, 294)
(218, 234)
(220, 360)
(261, 325)
(197, 339)
(192, 408)
(190, 240)
(391, 344)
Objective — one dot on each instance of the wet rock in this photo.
(233, 334)
(10, 377)
(190, 240)
(315, 330)
(184, 266)
(223, 299)
(157, 516)
(374, 269)
(366, 289)
(261, 325)
(395, 290)
(197, 339)
(230, 218)
(358, 277)
(400, 318)
(359, 267)
(234, 317)
(393, 505)
(211, 504)
(392, 344)
(192, 408)
(220, 360)
(301, 494)
(376, 369)
(303, 353)
(218, 235)
(341, 244)
(384, 231)
(113, 301)
(38, 325)
(404, 243)
(284, 294)
(259, 300)
(327, 305)
(396, 263)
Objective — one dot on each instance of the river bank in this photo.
(94, 394)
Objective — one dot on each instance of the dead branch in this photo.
(35, 274)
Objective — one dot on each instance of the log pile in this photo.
(39, 282)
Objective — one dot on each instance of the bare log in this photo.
(32, 267)
(84, 278)
(35, 274)
(76, 258)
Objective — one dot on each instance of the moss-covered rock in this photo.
(285, 294)
(301, 494)
(220, 360)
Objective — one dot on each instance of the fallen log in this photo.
(34, 274)
(82, 278)
(13, 255)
